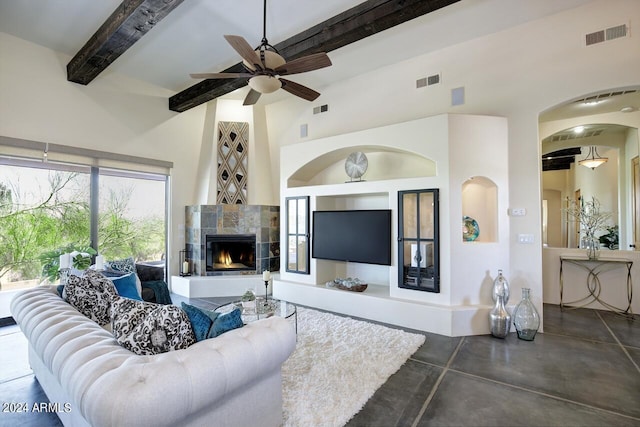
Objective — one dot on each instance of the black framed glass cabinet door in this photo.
(418, 246)
(297, 222)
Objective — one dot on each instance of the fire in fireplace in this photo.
(231, 252)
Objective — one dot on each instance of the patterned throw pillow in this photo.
(128, 265)
(91, 295)
(146, 328)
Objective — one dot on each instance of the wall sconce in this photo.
(593, 159)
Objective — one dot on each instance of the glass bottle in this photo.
(499, 319)
(501, 287)
(526, 318)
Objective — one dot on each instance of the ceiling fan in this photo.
(265, 67)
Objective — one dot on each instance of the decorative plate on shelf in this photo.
(470, 229)
(356, 165)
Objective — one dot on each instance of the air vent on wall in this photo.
(428, 81)
(321, 109)
(606, 35)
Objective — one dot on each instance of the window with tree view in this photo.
(47, 207)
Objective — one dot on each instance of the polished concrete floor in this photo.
(583, 371)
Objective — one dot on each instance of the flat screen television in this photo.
(356, 236)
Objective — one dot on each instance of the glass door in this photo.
(418, 246)
(297, 221)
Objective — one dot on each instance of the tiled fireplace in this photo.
(233, 239)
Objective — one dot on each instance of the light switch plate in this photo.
(525, 238)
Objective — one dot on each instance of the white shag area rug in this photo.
(337, 366)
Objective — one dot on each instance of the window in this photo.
(47, 204)
(131, 218)
(297, 220)
(40, 210)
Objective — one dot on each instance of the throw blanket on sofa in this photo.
(161, 290)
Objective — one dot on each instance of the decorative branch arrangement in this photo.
(591, 218)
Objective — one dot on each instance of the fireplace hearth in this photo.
(230, 252)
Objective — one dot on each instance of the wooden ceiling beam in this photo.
(131, 20)
(357, 23)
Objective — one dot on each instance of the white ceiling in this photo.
(190, 38)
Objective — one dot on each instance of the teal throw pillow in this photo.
(126, 286)
(226, 322)
(200, 320)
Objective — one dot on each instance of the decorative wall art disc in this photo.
(356, 165)
(470, 229)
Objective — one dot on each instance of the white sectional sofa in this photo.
(232, 380)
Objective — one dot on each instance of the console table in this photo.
(595, 267)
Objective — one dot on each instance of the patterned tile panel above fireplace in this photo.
(261, 220)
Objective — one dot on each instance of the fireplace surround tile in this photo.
(261, 220)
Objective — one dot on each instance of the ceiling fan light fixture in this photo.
(272, 60)
(593, 159)
(264, 84)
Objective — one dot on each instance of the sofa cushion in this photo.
(201, 320)
(146, 328)
(225, 322)
(148, 272)
(91, 295)
(118, 267)
(126, 286)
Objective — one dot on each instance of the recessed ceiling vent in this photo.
(570, 135)
(606, 35)
(604, 95)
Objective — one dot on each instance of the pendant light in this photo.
(593, 159)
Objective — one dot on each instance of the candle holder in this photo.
(266, 276)
(99, 263)
(64, 275)
(185, 263)
(266, 292)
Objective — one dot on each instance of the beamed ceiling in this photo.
(161, 42)
(132, 20)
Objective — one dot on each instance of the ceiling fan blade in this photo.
(299, 90)
(304, 64)
(220, 75)
(252, 97)
(245, 50)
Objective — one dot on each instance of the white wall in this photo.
(113, 114)
(612, 277)
(516, 73)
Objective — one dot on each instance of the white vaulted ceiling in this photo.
(190, 39)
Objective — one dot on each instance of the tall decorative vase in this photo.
(526, 318)
(592, 245)
(501, 287)
(499, 319)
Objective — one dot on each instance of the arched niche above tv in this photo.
(480, 207)
(385, 163)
